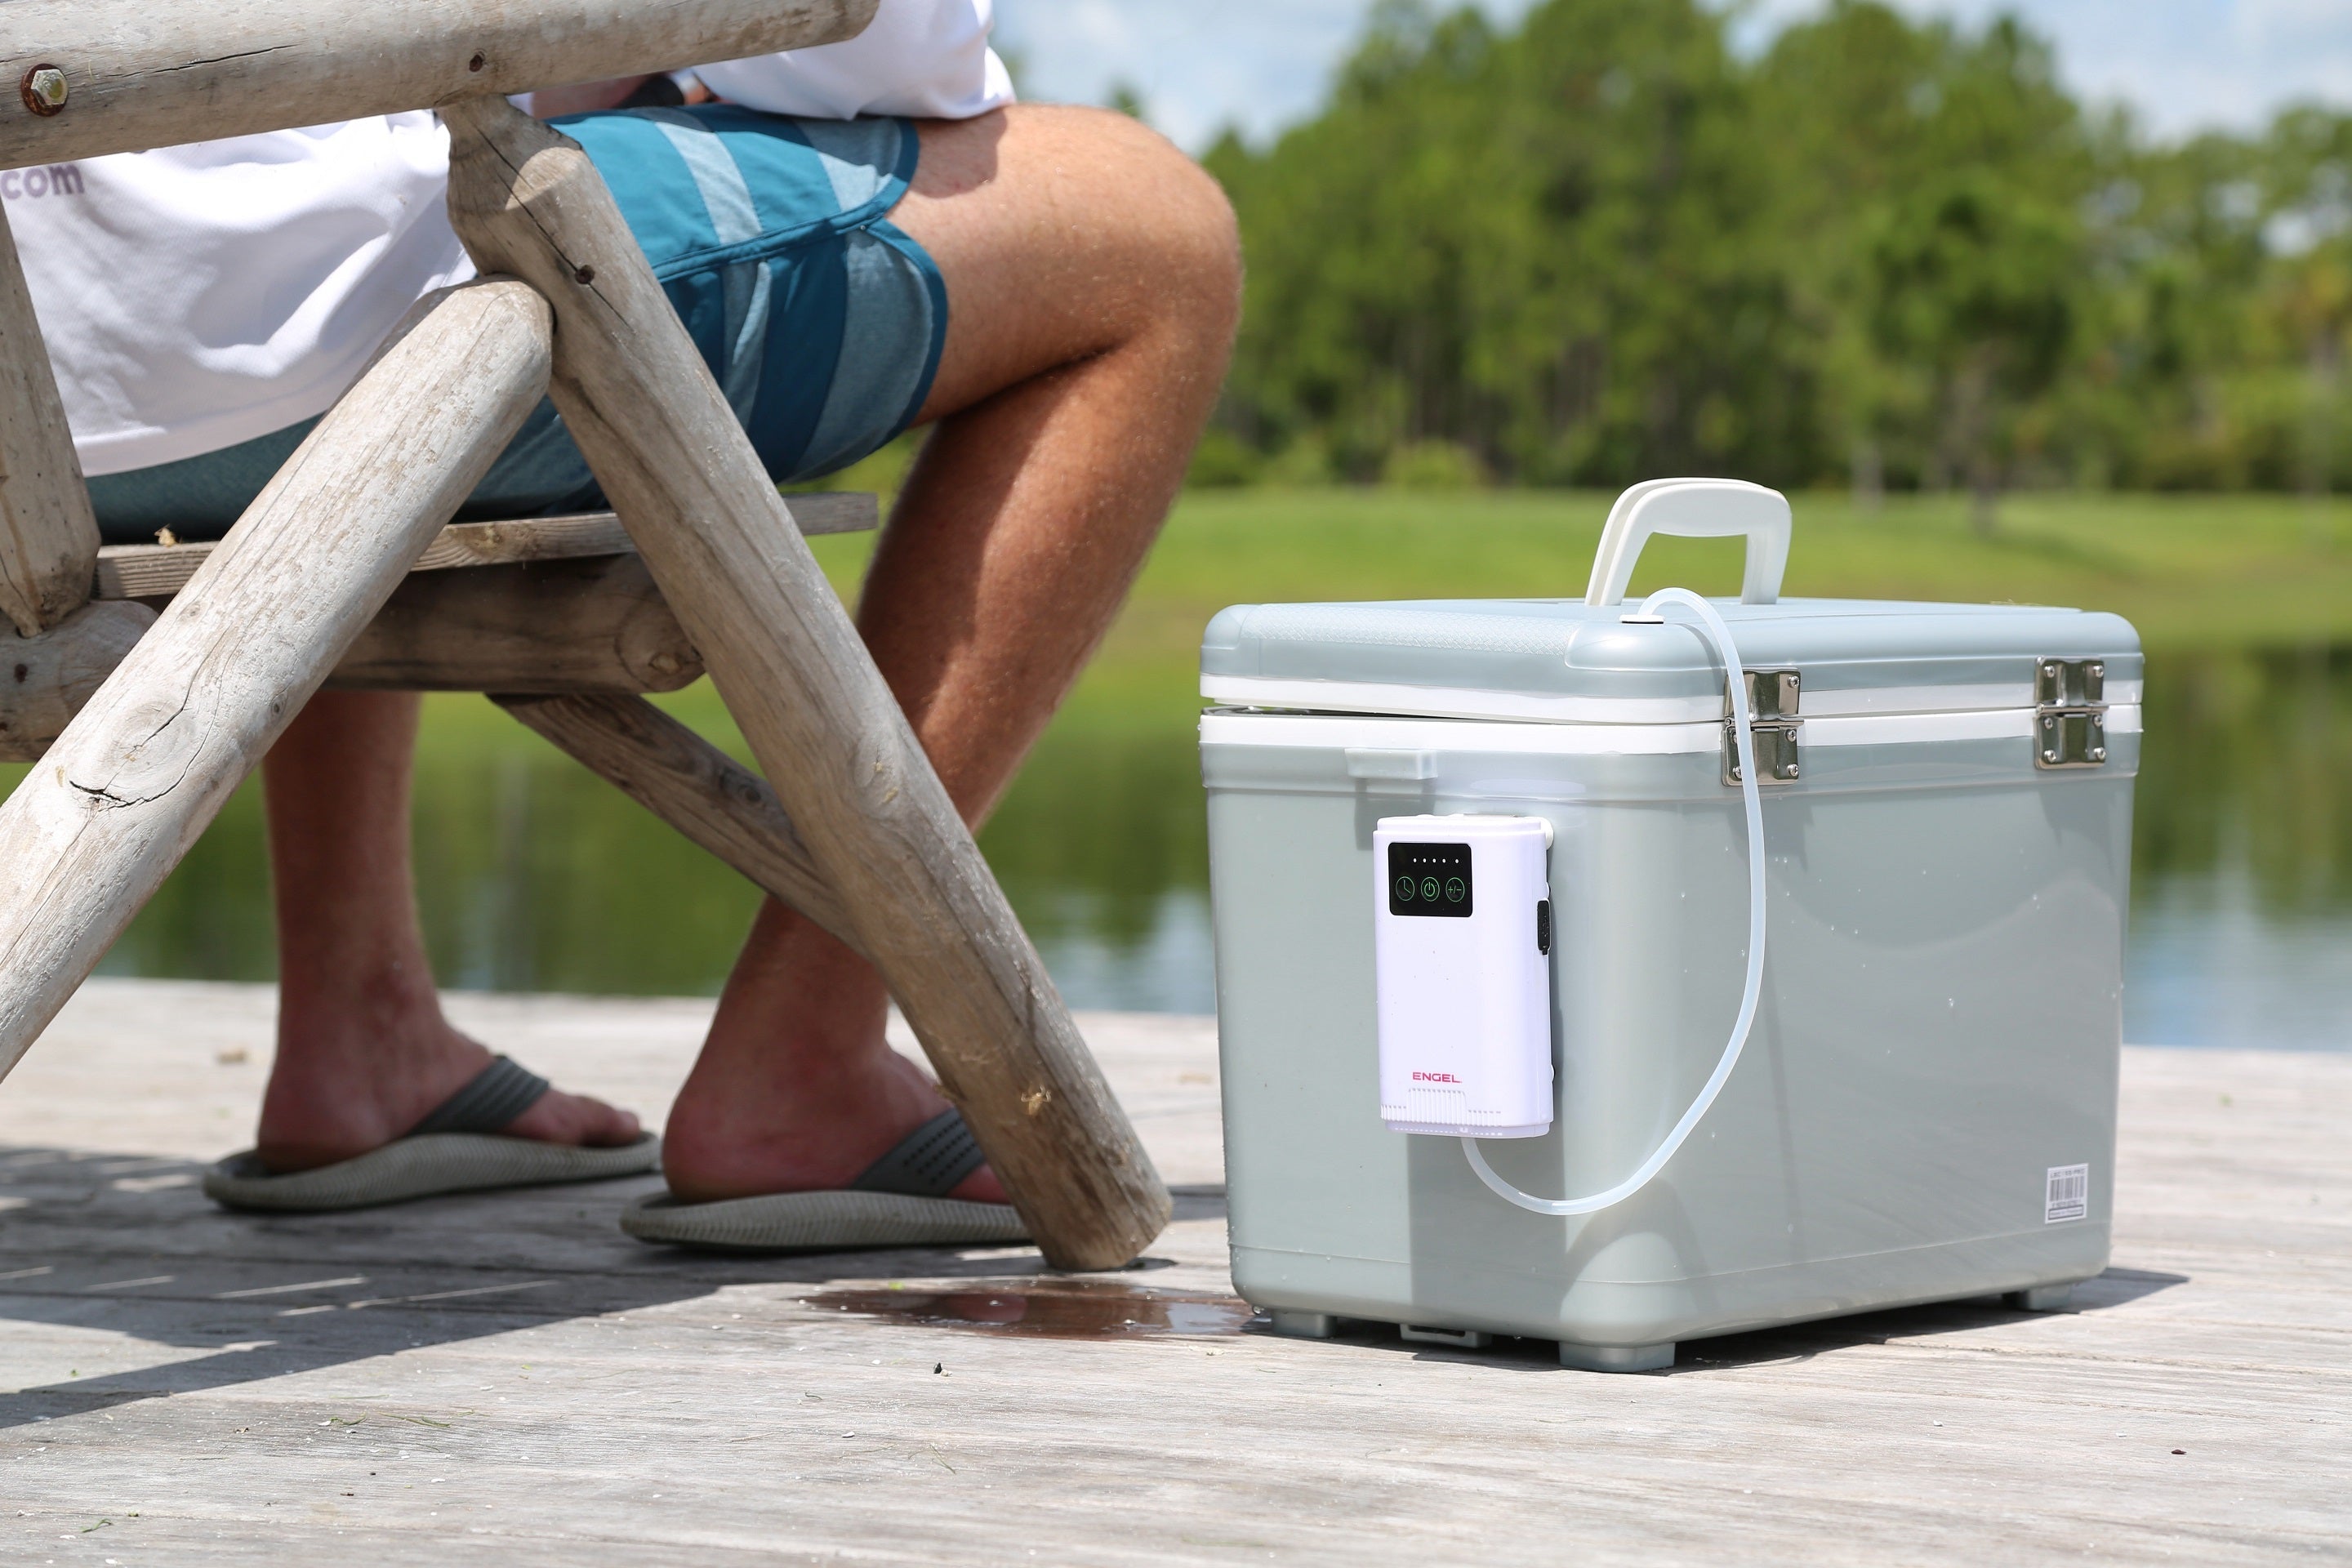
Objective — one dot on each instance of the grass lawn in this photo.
(2194, 572)
(2191, 572)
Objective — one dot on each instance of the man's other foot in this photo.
(728, 1140)
(326, 1105)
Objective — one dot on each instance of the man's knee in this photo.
(1067, 233)
(1214, 250)
(1184, 222)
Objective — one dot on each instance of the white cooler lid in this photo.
(1564, 661)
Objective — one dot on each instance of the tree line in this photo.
(1604, 245)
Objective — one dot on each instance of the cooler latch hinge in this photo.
(1773, 707)
(2070, 713)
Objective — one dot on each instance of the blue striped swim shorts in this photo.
(820, 319)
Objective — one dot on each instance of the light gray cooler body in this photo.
(1937, 1040)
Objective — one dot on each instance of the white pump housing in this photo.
(1461, 921)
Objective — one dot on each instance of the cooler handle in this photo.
(1694, 509)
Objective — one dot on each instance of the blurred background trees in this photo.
(1885, 252)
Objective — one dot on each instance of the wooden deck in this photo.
(509, 1379)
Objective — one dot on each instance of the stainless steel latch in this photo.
(2070, 713)
(1772, 709)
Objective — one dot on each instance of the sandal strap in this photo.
(492, 1100)
(928, 1162)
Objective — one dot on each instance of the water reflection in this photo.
(534, 875)
(2242, 906)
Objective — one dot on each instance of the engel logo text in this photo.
(1435, 1077)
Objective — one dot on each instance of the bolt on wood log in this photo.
(122, 75)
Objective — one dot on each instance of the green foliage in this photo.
(1127, 98)
(1432, 466)
(1972, 290)
(1517, 247)
(1602, 247)
(1224, 458)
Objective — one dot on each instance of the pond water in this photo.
(534, 875)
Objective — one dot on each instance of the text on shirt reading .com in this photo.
(56, 180)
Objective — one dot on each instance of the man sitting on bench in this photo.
(862, 237)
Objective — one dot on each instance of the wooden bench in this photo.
(151, 680)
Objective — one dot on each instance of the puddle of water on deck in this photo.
(1047, 1309)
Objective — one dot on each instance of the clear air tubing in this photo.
(1710, 624)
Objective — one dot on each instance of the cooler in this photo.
(1923, 1107)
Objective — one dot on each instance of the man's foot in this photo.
(330, 1099)
(796, 1091)
(720, 1144)
(363, 1053)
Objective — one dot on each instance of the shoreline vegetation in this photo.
(1605, 241)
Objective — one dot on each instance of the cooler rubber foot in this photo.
(1305, 1325)
(2041, 1298)
(1460, 1338)
(1616, 1358)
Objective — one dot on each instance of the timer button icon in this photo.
(1404, 889)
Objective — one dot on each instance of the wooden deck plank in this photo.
(508, 1372)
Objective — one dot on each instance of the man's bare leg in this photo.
(1093, 280)
(362, 1050)
(1093, 284)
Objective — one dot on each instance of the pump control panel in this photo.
(1427, 879)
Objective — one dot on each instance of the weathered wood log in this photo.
(878, 823)
(597, 624)
(159, 570)
(47, 536)
(592, 626)
(44, 680)
(87, 835)
(709, 796)
(121, 75)
(570, 610)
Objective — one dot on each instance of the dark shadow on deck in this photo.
(127, 1244)
(1791, 1342)
(1803, 1341)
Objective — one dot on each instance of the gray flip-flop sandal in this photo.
(455, 1149)
(900, 1200)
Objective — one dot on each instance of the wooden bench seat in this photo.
(160, 570)
(544, 606)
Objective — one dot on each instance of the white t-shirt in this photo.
(195, 296)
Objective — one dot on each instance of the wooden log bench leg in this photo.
(875, 820)
(63, 646)
(49, 537)
(706, 794)
(95, 827)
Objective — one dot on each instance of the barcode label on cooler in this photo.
(2068, 1195)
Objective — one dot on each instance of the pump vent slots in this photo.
(2069, 713)
(1773, 725)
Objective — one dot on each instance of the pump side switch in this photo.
(1543, 927)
